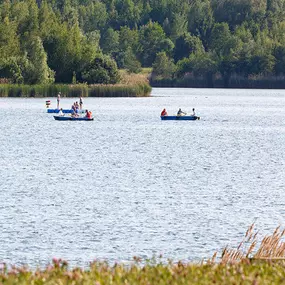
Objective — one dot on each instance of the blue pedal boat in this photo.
(68, 118)
(66, 111)
(180, 118)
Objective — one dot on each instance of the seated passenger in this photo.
(60, 113)
(181, 113)
(193, 110)
(88, 114)
(163, 113)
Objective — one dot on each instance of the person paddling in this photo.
(163, 113)
(181, 113)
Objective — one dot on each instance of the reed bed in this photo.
(135, 79)
(270, 248)
(248, 264)
(119, 90)
(77, 90)
(14, 90)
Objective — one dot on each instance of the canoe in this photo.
(68, 118)
(181, 118)
(66, 111)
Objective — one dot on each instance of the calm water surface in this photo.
(128, 184)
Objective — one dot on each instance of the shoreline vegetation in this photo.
(253, 262)
(130, 85)
(203, 43)
(235, 82)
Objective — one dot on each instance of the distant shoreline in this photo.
(130, 85)
(235, 82)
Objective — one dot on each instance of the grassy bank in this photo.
(244, 265)
(131, 85)
(102, 273)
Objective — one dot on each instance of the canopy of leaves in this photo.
(61, 38)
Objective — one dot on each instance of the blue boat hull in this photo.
(67, 118)
(66, 111)
(181, 118)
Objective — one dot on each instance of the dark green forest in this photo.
(74, 41)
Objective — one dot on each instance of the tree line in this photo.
(70, 41)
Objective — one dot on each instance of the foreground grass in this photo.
(131, 85)
(244, 265)
(102, 273)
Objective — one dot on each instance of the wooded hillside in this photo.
(86, 40)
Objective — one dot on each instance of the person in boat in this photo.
(74, 114)
(80, 102)
(181, 113)
(76, 105)
(88, 114)
(163, 113)
(58, 99)
(60, 113)
(193, 112)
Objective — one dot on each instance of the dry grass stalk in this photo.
(132, 79)
(270, 248)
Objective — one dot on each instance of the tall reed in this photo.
(271, 247)
(119, 90)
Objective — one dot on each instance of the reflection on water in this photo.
(130, 184)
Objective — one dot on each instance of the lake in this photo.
(128, 184)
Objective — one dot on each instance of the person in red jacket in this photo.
(88, 114)
(163, 113)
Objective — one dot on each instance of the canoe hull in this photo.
(67, 118)
(66, 111)
(180, 118)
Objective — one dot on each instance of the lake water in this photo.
(128, 184)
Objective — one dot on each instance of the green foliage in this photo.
(201, 20)
(39, 72)
(279, 55)
(163, 66)
(102, 70)
(237, 12)
(46, 40)
(152, 40)
(130, 62)
(200, 64)
(185, 45)
(9, 43)
(110, 42)
(12, 68)
(93, 16)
